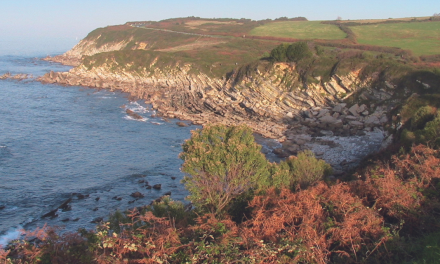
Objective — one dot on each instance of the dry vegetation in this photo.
(352, 222)
(260, 212)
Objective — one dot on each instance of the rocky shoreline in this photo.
(17, 77)
(315, 118)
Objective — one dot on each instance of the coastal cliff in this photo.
(341, 101)
(262, 101)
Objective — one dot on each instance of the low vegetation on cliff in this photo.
(282, 213)
(218, 46)
(247, 209)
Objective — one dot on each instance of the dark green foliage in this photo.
(173, 210)
(421, 130)
(291, 53)
(164, 207)
(303, 171)
(423, 115)
(307, 170)
(221, 164)
(430, 134)
(279, 53)
(298, 51)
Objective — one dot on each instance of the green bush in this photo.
(430, 134)
(292, 53)
(222, 163)
(423, 115)
(424, 128)
(307, 170)
(279, 53)
(303, 170)
(298, 51)
(407, 137)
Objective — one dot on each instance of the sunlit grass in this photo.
(299, 30)
(422, 38)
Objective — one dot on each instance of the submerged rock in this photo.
(181, 124)
(133, 114)
(137, 195)
(97, 220)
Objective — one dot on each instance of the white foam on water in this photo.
(11, 234)
(157, 123)
(137, 108)
(134, 119)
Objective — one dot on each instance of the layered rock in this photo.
(261, 101)
(86, 47)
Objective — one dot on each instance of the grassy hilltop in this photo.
(218, 46)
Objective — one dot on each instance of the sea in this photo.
(59, 142)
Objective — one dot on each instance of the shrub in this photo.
(298, 51)
(221, 164)
(47, 245)
(279, 53)
(293, 53)
(423, 115)
(306, 170)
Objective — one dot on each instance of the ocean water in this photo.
(58, 142)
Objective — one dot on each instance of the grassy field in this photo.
(299, 30)
(217, 47)
(374, 21)
(422, 38)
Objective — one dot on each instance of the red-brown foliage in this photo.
(398, 190)
(343, 223)
(47, 243)
(3, 255)
(150, 243)
(318, 223)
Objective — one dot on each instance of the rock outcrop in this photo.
(263, 102)
(86, 47)
(312, 115)
(18, 76)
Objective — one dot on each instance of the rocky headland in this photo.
(310, 116)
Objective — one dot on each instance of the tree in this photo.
(221, 163)
(293, 52)
(298, 51)
(279, 53)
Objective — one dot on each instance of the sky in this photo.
(68, 21)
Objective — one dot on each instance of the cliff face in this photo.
(262, 100)
(87, 47)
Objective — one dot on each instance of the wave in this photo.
(127, 117)
(11, 234)
(137, 108)
(156, 123)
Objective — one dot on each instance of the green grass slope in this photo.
(422, 38)
(299, 30)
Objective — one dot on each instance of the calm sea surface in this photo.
(56, 141)
(61, 142)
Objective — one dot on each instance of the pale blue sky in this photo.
(71, 19)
